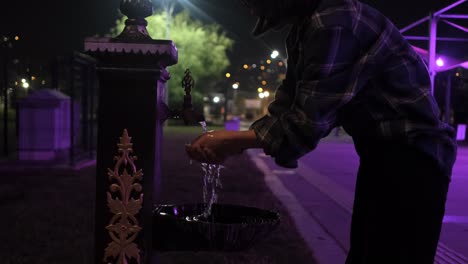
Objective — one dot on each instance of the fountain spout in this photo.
(188, 113)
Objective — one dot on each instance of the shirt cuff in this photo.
(272, 139)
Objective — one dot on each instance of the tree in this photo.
(202, 49)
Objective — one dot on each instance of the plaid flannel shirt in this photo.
(349, 66)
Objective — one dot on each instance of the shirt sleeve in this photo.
(294, 126)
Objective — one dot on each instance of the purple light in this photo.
(440, 62)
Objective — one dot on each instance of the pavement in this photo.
(319, 196)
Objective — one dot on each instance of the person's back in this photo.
(399, 92)
(391, 86)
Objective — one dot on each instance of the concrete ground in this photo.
(319, 196)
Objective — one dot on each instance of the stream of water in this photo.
(211, 184)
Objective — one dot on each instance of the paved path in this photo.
(319, 195)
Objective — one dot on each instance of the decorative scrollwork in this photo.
(188, 82)
(123, 227)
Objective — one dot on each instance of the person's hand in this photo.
(215, 146)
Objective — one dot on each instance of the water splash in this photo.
(211, 182)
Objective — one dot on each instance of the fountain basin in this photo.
(228, 228)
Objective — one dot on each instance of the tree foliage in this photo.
(202, 49)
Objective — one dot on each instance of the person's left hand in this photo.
(214, 146)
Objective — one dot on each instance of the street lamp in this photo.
(440, 62)
(274, 54)
(6, 44)
(168, 7)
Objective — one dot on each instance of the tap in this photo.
(188, 113)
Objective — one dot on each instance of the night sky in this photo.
(56, 27)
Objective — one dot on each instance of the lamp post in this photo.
(274, 54)
(168, 7)
(6, 44)
(235, 87)
(5, 105)
(228, 75)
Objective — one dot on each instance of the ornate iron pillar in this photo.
(132, 73)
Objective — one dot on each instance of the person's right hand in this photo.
(214, 146)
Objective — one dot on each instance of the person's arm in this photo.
(331, 78)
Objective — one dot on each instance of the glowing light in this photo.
(33, 78)
(235, 86)
(23, 80)
(457, 74)
(43, 82)
(264, 83)
(261, 95)
(228, 75)
(216, 99)
(280, 64)
(246, 66)
(440, 62)
(260, 89)
(25, 85)
(17, 38)
(254, 66)
(16, 83)
(268, 61)
(266, 93)
(274, 54)
(262, 68)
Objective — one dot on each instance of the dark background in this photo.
(55, 27)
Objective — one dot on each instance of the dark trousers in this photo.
(399, 205)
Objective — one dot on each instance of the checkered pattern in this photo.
(349, 66)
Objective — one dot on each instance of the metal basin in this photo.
(228, 228)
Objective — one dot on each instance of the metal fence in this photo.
(72, 76)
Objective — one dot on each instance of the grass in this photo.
(188, 130)
(52, 221)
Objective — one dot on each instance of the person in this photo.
(349, 66)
